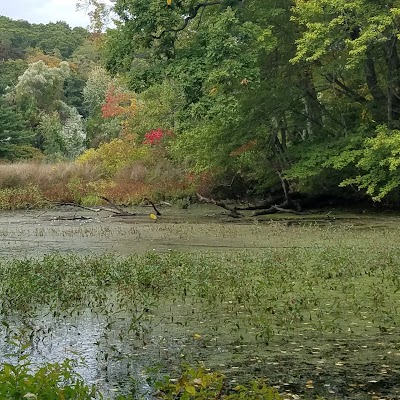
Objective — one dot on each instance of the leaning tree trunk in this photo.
(379, 97)
(393, 84)
(313, 107)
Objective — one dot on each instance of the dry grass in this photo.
(82, 183)
(44, 175)
(55, 182)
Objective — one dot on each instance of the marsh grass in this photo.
(309, 296)
(35, 185)
(289, 285)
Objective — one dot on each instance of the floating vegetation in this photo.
(317, 311)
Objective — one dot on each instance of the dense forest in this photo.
(256, 98)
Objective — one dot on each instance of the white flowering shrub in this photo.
(63, 138)
(42, 84)
(95, 90)
(73, 135)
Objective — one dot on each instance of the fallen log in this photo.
(292, 207)
(232, 210)
(74, 218)
(290, 211)
(78, 205)
(90, 208)
(118, 210)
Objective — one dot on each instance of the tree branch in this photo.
(345, 89)
(232, 210)
(188, 18)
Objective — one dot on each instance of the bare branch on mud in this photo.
(74, 218)
(232, 210)
(153, 205)
(267, 203)
(79, 205)
(292, 207)
(290, 211)
(117, 210)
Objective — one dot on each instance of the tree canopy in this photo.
(300, 89)
(261, 94)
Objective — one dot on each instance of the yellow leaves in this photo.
(115, 155)
(213, 91)
(190, 389)
(196, 336)
(310, 384)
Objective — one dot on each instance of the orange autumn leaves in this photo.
(118, 103)
(121, 105)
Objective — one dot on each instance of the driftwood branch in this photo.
(78, 205)
(74, 218)
(292, 207)
(153, 205)
(267, 203)
(290, 211)
(118, 210)
(232, 210)
(115, 210)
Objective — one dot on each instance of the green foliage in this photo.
(56, 381)
(95, 90)
(36, 80)
(50, 129)
(62, 140)
(17, 198)
(158, 106)
(201, 384)
(42, 85)
(10, 70)
(73, 92)
(296, 79)
(113, 156)
(378, 164)
(13, 131)
(17, 36)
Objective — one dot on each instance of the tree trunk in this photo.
(379, 97)
(312, 106)
(393, 84)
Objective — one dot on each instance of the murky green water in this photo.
(352, 358)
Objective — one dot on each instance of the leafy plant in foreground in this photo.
(56, 381)
(201, 384)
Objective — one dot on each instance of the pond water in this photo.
(35, 233)
(177, 330)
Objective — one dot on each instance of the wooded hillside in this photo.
(260, 97)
